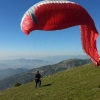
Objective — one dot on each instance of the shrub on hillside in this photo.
(16, 84)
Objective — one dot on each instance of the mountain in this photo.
(10, 72)
(59, 58)
(45, 71)
(22, 63)
(34, 63)
(80, 83)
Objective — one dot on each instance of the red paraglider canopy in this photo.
(55, 15)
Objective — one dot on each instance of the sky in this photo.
(15, 44)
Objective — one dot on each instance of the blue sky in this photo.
(15, 44)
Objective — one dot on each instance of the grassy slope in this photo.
(81, 83)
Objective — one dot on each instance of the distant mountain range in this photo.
(4, 73)
(45, 71)
(59, 58)
(34, 63)
(22, 63)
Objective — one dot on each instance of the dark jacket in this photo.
(37, 77)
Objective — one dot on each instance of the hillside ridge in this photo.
(79, 83)
(25, 77)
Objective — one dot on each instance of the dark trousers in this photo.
(37, 82)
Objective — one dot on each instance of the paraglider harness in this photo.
(37, 77)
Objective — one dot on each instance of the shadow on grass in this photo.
(46, 85)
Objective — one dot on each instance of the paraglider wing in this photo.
(52, 15)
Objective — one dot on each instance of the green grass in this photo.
(81, 83)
